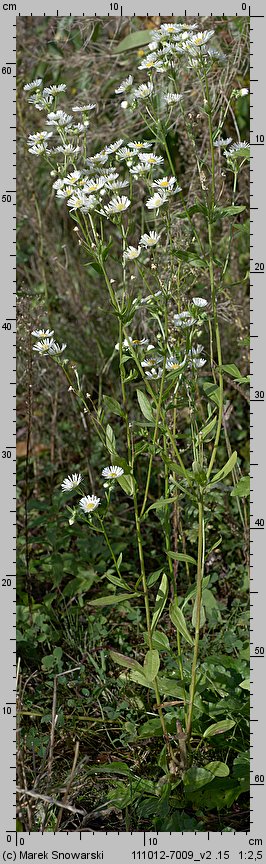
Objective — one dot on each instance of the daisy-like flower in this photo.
(72, 178)
(34, 85)
(150, 362)
(154, 373)
(64, 192)
(77, 200)
(58, 118)
(183, 319)
(198, 362)
(150, 159)
(55, 88)
(173, 365)
(44, 346)
(38, 137)
(222, 142)
(199, 39)
(94, 185)
(143, 91)
(157, 200)
(42, 334)
(139, 170)
(79, 128)
(200, 302)
(89, 204)
(112, 472)
(56, 349)
(140, 145)
(125, 85)
(126, 152)
(240, 150)
(39, 149)
(117, 184)
(117, 205)
(97, 159)
(80, 109)
(173, 98)
(131, 253)
(148, 240)
(148, 62)
(167, 183)
(89, 503)
(113, 147)
(71, 482)
(67, 149)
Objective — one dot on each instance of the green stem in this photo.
(200, 568)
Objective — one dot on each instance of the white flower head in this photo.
(54, 89)
(112, 472)
(39, 149)
(131, 253)
(113, 147)
(173, 98)
(150, 159)
(154, 373)
(42, 334)
(71, 482)
(56, 349)
(167, 183)
(148, 240)
(125, 85)
(200, 302)
(174, 365)
(34, 85)
(89, 503)
(117, 205)
(140, 145)
(183, 319)
(58, 118)
(222, 142)
(67, 149)
(82, 109)
(143, 91)
(238, 151)
(157, 200)
(44, 346)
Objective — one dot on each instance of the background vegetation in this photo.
(76, 711)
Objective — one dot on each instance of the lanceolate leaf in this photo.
(151, 664)
(228, 467)
(127, 662)
(242, 488)
(133, 41)
(179, 622)
(219, 728)
(180, 556)
(144, 405)
(160, 601)
(112, 599)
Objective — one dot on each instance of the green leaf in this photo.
(180, 556)
(228, 467)
(207, 429)
(151, 664)
(127, 662)
(233, 210)
(179, 622)
(112, 599)
(202, 615)
(192, 592)
(160, 504)
(113, 406)
(191, 258)
(219, 728)
(218, 769)
(133, 41)
(235, 373)
(242, 488)
(145, 405)
(195, 778)
(115, 580)
(112, 768)
(127, 483)
(160, 641)
(212, 392)
(150, 728)
(110, 439)
(160, 601)
(245, 684)
(170, 687)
